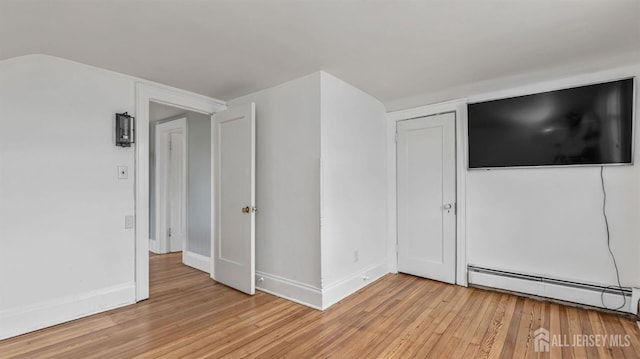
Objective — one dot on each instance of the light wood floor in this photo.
(190, 316)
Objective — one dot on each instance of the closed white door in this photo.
(176, 192)
(234, 172)
(426, 197)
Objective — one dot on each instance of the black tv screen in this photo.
(587, 125)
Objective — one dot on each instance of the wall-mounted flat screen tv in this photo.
(586, 125)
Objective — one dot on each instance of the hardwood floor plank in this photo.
(444, 315)
(509, 346)
(555, 328)
(403, 333)
(474, 325)
(451, 337)
(612, 327)
(399, 316)
(502, 324)
(474, 349)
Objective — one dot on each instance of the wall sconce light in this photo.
(125, 129)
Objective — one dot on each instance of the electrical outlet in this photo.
(123, 172)
(356, 256)
(129, 222)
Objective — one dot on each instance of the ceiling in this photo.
(391, 49)
(158, 111)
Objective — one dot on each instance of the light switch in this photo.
(123, 172)
(129, 222)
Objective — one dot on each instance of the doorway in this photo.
(426, 196)
(180, 184)
(240, 129)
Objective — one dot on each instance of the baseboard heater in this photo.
(565, 290)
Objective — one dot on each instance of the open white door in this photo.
(234, 173)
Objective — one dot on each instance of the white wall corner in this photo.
(19, 321)
(289, 289)
(392, 225)
(154, 246)
(197, 261)
(337, 291)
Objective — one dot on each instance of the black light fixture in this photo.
(125, 129)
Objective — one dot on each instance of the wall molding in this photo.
(289, 289)
(197, 261)
(338, 290)
(317, 298)
(22, 320)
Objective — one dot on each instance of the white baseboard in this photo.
(154, 246)
(18, 321)
(196, 261)
(314, 297)
(341, 289)
(289, 289)
(588, 297)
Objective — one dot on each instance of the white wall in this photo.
(65, 251)
(354, 197)
(199, 184)
(288, 187)
(549, 221)
(296, 123)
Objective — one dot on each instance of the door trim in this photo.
(459, 108)
(145, 93)
(163, 130)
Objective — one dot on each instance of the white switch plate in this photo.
(123, 172)
(129, 222)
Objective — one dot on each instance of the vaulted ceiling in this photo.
(390, 49)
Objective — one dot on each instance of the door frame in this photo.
(146, 93)
(163, 131)
(459, 108)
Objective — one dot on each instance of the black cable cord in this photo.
(613, 257)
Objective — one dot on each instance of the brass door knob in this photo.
(245, 210)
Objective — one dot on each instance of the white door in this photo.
(234, 173)
(176, 192)
(170, 177)
(426, 197)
